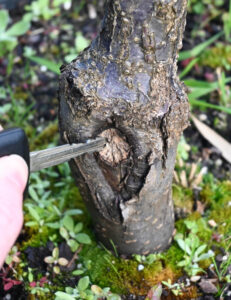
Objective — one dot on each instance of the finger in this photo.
(13, 178)
(14, 170)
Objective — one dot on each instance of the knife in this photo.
(14, 141)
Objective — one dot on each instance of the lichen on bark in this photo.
(125, 87)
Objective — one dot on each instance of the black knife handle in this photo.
(14, 141)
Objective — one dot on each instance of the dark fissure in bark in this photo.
(125, 87)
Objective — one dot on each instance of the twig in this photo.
(75, 256)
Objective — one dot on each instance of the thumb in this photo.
(13, 172)
(13, 178)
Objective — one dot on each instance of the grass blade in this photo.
(51, 65)
(205, 104)
(199, 48)
(188, 68)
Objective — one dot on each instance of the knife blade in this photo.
(54, 156)
(14, 141)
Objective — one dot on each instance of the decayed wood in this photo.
(125, 87)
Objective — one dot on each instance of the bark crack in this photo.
(164, 135)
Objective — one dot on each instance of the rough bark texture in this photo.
(125, 87)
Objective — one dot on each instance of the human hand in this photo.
(13, 178)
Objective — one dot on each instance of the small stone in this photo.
(92, 11)
(225, 257)
(188, 283)
(43, 68)
(195, 278)
(203, 117)
(218, 162)
(212, 223)
(140, 267)
(67, 5)
(208, 287)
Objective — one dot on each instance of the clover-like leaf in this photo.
(64, 233)
(55, 253)
(73, 245)
(96, 289)
(18, 28)
(83, 238)
(77, 272)
(62, 261)
(83, 283)
(68, 223)
(56, 270)
(49, 259)
(4, 17)
(63, 296)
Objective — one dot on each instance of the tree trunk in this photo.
(125, 87)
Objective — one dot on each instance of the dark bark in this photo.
(125, 87)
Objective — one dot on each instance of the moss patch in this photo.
(183, 199)
(122, 275)
(218, 56)
(50, 133)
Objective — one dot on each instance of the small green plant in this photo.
(9, 37)
(72, 233)
(176, 288)
(183, 149)
(55, 261)
(223, 268)
(84, 291)
(149, 259)
(38, 287)
(13, 256)
(45, 9)
(224, 90)
(15, 112)
(222, 275)
(194, 251)
(43, 208)
(80, 44)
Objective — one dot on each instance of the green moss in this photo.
(48, 135)
(182, 198)
(216, 195)
(102, 267)
(218, 56)
(173, 255)
(37, 237)
(222, 217)
(122, 275)
(204, 232)
(204, 264)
